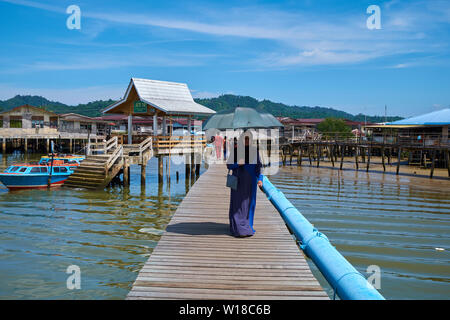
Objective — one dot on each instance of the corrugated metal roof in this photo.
(441, 117)
(169, 97)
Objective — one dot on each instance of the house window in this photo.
(37, 123)
(67, 126)
(15, 122)
(53, 122)
(85, 127)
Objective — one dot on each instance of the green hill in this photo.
(221, 103)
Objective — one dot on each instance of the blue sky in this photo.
(294, 52)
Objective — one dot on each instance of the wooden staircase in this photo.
(97, 171)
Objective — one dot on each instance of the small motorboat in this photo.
(27, 176)
(66, 158)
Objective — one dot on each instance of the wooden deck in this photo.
(197, 258)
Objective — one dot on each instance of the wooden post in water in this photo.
(342, 157)
(300, 155)
(448, 162)
(26, 145)
(309, 155)
(319, 154)
(48, 145)
(70, 146)
(187, 169)
(192, 166)
(363, 154)
(368, 159)
(160, 169)
(143, 169)
(4, 145)
(291, 150)
(399, 158)
(389, 156)
(331, 154)
(126, 176)
(356, 158)
(382, 158)
(433, 158)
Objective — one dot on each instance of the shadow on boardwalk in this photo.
(199, 228)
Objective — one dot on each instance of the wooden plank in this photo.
(197, 258)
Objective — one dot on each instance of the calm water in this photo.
(393, 222)
(108, 234)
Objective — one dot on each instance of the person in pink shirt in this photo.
(218, 142)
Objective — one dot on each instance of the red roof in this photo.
(145, 120)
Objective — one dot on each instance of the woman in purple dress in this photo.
(247, 168)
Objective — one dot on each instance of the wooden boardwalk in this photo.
(197, 258)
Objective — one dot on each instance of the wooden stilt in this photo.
(48, 145)
(363, 154)
(4, 145)
(356, 158)
(382, 159)
(448, 162)
(160, 168)
(331, 150)
(399, 158)
(389, 156)
(70, 145)
(192, 166)
(342, 157)
(433, 158)
(309, 155)
(300, 155)
(336, 150)
(291, 150)
(26, 145)
(143, 169)
(126, 175)
(319, 155)
(187, 170)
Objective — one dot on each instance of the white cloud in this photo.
(298, 38)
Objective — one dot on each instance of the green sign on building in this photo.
(140, 107)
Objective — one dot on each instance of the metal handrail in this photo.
(346, 281)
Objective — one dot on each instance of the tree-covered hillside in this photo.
(221, 103)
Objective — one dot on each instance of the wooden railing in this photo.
(414, 140)
(103, 146)
(118, 152)
(145, 145)
(111, 143)
(169, 142)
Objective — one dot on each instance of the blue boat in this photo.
(65, 158)
(27, 176)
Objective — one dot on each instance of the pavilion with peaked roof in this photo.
(145, 97)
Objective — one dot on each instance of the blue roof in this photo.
(436, 118)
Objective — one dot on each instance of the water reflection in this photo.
(375, 219)
(109, 234)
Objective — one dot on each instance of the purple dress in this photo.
(243, 200)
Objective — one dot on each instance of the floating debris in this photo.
(151, 231)
(439, 249)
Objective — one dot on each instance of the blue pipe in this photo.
(347, 282)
